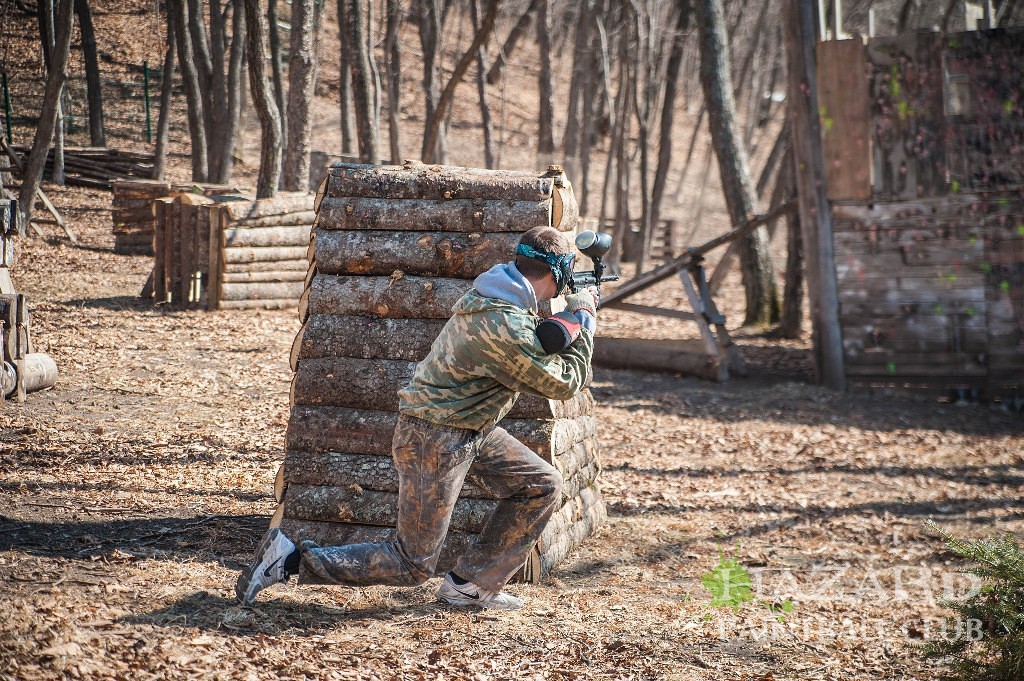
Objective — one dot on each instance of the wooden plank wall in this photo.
(932, 293)
(845, 117)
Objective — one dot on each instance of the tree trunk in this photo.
(47, 33)
(755, 262)
(234, 95)
(44, 15)
(435, 122)
(92, 73)
(672, 70)
(545, 121)
(301, 86)
(581, 72)
(430, 21)
(393, 52)
(163, 123)
(348, 131)
(263, 100)
(517, 32)
(55, 79)
(193, 92)
(276, 63)
(793, 291)
(367, 123)
(481, 90)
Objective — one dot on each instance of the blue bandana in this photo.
(561, 265)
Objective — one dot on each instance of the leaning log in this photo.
(458, 215)
(374, 384)
(329, 335)
(240, 237)
(368, 507)
(382, 296)
(365, 431)
(434, 254)
(438, 183)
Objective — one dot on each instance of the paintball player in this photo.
(486, 355)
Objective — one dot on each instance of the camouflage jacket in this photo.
(485, 356)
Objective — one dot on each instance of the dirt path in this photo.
(134, 491)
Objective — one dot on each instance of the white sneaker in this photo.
(471, 594)
(267, 567)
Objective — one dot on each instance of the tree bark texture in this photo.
(546, 118)
(755, 262)
(436, 183)
(276, 65)
(234, 83)
(436, 254)
(94, 92)
(290, 235)
(363, 82)
(266, 109)
(253, 213)
(55, 79)
(455, 215)
(163, 123)
(383, 296)
(237, 256)
(393, 61)
(302, 68)
(791, 320)
(430, 22)
(266, 290)
(328, 335)
(481, 91)
(348, 130)
(361, 431)
(435, 122)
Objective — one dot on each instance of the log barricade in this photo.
(393, 247)
(231, 252)
(134, 212)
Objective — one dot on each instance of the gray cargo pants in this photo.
(432, 463)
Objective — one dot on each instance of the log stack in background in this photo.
(134, 213)
(393, 248)
(230, 252)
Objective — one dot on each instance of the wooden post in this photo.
(815, 215)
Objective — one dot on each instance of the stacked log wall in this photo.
(134, 210)
(392, 249)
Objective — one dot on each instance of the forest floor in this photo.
(134, 491)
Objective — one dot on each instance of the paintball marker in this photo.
(558, 331)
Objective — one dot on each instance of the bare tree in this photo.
(430, 15)
(434, 123)
(94, 92)
(193, 92)
(348, 129)
(481, 87)
(263, 100)
(55, 79)
(302, 67)
(756, 266)
(363, 82)
(545, 119)
(393, 57)
(163, 123)
(514, 36)
(276, 66)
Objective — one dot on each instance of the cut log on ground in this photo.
(402, 297)
(461, 256)
(459, 215)
(681, 356)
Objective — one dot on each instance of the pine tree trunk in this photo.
(393, 52)
(367, 124)
(55, 79)
(302, 68)
(193, 92)
(263, 100)
(755, 262)
(92, 73)
(545, 121)
(163, 123)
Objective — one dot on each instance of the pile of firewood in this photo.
(97, 167)
(393, 249)
(134, 214)
(226, 251)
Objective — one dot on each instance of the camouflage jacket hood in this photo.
(487, 354)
